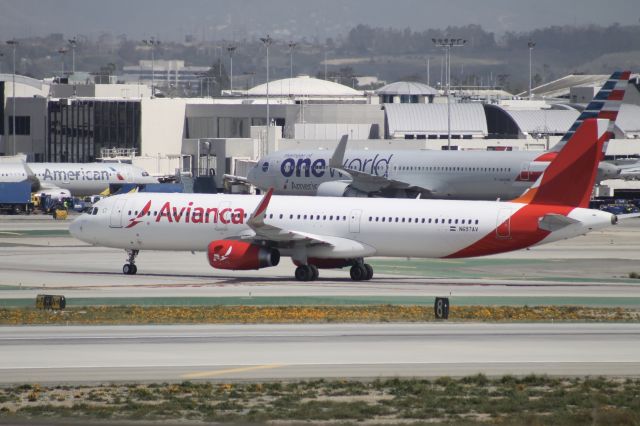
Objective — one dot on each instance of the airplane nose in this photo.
(75, 229)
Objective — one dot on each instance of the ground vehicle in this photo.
(15, 197)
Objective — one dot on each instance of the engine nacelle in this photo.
(240, 255)
(338, 188)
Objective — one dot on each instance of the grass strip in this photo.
(106, 315)
(474, 400)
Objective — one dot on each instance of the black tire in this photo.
(358, 273)
(134, 269)
(126, 269)
(314, 272)
(369, 271)
(303, 273)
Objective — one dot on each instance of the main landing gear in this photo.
(359, 272)
(307, 273)
(130, 268)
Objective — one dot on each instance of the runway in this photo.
(271, 352)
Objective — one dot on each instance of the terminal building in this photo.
(83, 122)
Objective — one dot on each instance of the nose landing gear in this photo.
(130, 268)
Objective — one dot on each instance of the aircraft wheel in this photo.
(129, 269)
(369, 270)
(303, 273)
(358, 272)
(314, 272)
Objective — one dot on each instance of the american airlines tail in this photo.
(605, 105)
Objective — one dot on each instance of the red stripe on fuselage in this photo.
(524, 232)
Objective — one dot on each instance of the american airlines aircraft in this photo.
(243, 232)
(469, 175)
(78, 179)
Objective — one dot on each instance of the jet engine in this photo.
(240, 255)
(338, 188)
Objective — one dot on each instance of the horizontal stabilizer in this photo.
(552, 222)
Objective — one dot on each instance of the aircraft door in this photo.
(525, 172)
(224, 215)
(354, 220)
(503, 224)
(117, 213)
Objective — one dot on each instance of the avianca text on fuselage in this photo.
(191, 214)
(378, 165)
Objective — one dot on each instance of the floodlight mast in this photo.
(62, 51)
(447, 44)
(153, 43)
(72, 43)
(531, 44)
(13, 43)
(267, 42)
(231, 49)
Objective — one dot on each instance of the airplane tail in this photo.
(569, 179)
(605, 104)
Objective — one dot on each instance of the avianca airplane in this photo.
(242, 232)
(78, 179)
(468, 175)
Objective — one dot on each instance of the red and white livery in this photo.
(251, 232)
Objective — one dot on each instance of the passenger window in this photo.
(305, 216)
(449, 221)
(280, 215)
(290, 216)
(456, 222)
(397, 219)
(331, 217)
(403, 220)
(476, 221)
(129, 212)
(429, 220)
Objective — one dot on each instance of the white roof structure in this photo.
(545, 121)
(628, 121)
(304, 86)
(415, 119)
(407, 88)
(560, 88)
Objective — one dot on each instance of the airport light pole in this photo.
(267, 42)
(153, 43)
(292, 46)
(447, 44)
(72, 43)
(231, 50)
(13, 43)
(62, 51)
(531, 44)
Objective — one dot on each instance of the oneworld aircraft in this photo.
(245, 232)
(77, 179)
(468, 175)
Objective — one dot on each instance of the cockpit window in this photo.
(265, 166)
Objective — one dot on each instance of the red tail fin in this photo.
(568, 180)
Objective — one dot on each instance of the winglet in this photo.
(337, 159)
(257, 217)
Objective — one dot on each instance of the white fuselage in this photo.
(402, 228)
(87, 178)
(459, 175)
(470, 175)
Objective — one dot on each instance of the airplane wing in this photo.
(279, 237)
(367, 182)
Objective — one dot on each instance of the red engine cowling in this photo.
(240, 255)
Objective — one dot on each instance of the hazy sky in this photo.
(294, 19)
